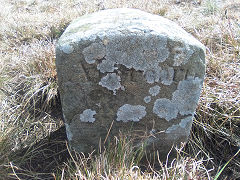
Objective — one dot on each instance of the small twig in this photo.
(108, 132)
(14, 171)
(71, 155)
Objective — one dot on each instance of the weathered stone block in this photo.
(140, 71)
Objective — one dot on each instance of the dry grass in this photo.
(30, 109)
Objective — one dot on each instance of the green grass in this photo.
(32, 137)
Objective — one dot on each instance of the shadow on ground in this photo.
(42, 159)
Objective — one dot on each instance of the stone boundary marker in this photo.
(130, 71)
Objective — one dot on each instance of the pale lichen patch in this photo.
(87, 116)
(187, 94)
(186, 122)
(172, 129)
(67, 48)
(112, 82)
(141, 53)
(164, 108)
(154, 91)
(152, 74)
(129, 112)
(167, 75)
(147, 99)
(181, 54)
(64, 117)
(183, 127)
(136, 51)
(106, 66)
(94, 52)
(68, 132)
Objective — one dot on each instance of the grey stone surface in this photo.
(132, 71)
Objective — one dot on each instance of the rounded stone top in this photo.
(122, 21)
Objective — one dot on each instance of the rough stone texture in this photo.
(132, 71)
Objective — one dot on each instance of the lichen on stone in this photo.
(139, 52)
(172, 128)
(186, 122)
(164, 108)
(68, 132)
(67, 48)
(182, 54)
(187, 94)
(94, 52)
(183, 127)
(152, 74)
(112, 82)
(154, 91)
(87, 116)
(106, 66)
(147, 99)
(167, 75)
(129, 112)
